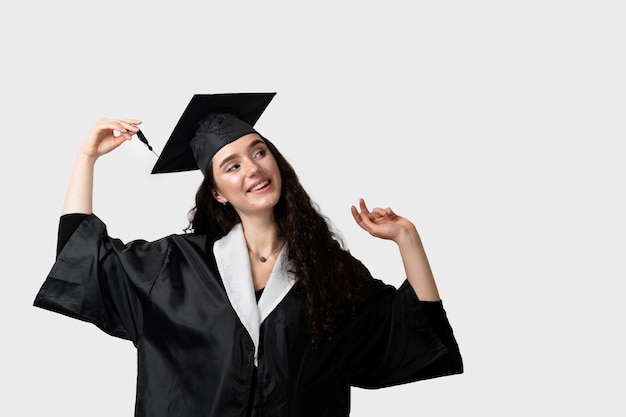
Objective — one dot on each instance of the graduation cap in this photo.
(209, 122)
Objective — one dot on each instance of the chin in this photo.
(270, 203)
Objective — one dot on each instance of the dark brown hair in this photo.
(330, 280)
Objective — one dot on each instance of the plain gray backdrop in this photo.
(496, 127)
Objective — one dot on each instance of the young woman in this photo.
(259, 310)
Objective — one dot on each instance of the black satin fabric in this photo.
(195, 358)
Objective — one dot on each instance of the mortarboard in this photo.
(209, 122)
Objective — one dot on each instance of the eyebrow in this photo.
(233, 156)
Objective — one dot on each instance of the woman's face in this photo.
(246, 175)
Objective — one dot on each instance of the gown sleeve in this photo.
(68, 223)
(99, 279)
(397, 339)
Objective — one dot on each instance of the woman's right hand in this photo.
(106, 135)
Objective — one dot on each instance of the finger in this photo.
(131, 121)
(114, 125)
(355, 214)
(130, 124)
(125, 132)
(361, 219)
(120, 125)
(367, 214)
(358, 218)
(126, 125)
(379, 212)
(363, 206)
(368, 222)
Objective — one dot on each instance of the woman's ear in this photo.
(216, 195)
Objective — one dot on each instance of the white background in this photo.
(497, 127)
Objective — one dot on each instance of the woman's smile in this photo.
(260, 185)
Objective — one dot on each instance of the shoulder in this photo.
(190, 242)
(93, 226)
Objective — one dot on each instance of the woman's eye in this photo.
(259, 154)
(232, 168)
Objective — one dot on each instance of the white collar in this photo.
(233, 263)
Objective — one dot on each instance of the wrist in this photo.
(84, 159)
(408, 237)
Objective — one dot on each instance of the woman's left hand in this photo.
(382, 223)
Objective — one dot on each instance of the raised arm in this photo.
(106, 135)
(385, 224)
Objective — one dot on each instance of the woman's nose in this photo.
(252, 169)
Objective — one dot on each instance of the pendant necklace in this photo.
(264, 258)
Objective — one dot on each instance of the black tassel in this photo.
(143, 139)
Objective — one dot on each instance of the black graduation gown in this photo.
(198, 356)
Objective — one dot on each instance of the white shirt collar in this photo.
(233, 263)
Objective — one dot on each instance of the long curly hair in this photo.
(329, 279)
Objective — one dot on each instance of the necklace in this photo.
(264, 258)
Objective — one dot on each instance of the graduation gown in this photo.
(206, 348)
